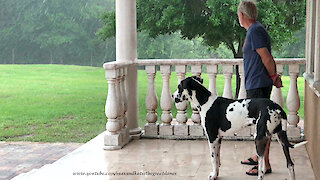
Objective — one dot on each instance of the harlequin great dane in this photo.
(221, 116)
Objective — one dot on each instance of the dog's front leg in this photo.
(214, 159)
(218, 151)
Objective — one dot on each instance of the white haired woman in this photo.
(259, 66)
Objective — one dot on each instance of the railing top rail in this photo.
(150, 62)
(290, 60)
(237, 61)
(153, 62)
(117, 64)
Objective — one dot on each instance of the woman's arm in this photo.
(269, 63)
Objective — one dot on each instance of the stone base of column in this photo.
(181, 130)
(165, 130)
(151, 129)
(294, 133)
(196, 130)
(125, 135)
(115, 141)
(136, 133)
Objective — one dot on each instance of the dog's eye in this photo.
(184, 97)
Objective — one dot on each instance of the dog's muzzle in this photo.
(177, 98)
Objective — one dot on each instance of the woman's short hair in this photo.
(248, 8)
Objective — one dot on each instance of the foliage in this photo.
(294, 48)
(216, 20)
(55, 30)
(171, 47)
(70, 32)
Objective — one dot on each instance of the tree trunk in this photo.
(91, 59)
(238, 80)
(237, 54)
(13, 54)
(51, 57)
(106, 51)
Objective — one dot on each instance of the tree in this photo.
(52, 31)
(216, 21)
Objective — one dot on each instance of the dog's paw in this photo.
(213, 176)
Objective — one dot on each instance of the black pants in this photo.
(259, 93)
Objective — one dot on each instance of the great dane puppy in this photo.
(221, 116)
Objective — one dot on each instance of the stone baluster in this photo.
(112, 139)
(124, 95)
(166, 102)
(125, 130)
(196, 129)
(293, 102)
(152, 127)
(277, 92)
(181, 129)
(212, 71)
(227, 72)
(196, 71)
(242, 90)
(119, 94)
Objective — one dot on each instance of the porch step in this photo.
(73, 162)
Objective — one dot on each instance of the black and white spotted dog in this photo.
(221, 116)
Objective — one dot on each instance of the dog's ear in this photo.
(188, 84)
(185, 83)
(198, 78)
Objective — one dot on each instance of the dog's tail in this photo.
(282, 135)
(300, 144)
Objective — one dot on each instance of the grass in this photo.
(51, 103)
(63, 103)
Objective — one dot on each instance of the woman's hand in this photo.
(277, 81)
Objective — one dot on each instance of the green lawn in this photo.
(51, 103)
(60, 103)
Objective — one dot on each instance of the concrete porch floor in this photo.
(175, 159)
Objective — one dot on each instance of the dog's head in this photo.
(186, 89)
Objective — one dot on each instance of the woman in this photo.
(259, 66)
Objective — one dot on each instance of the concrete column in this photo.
(310, 35)
(317, 48)
(126, 30)
(126, 50)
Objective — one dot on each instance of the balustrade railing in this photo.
(117, 133)
(183, 126)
